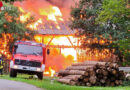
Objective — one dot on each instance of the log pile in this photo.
(92, 73)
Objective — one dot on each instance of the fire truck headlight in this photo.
(38, 69)
(15, 66)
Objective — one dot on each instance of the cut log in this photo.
(114, 71)
(114, 65)
(72, 72)
(86, 79)
(88, 63)
(92, 79)
(88, 84)
(98, 71)
(105, 77)
(102, 81)
(91, 73)
(73, 77)
(109, 69)
(84, 68)
(104, 72)
(117, 82)
(120, 82)
(108, 82)
(67, 81)
(112, 84)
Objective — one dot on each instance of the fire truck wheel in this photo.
(40, 75)
(13, 73)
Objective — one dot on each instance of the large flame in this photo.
(52, 13)
(4, 48)
(33, 26)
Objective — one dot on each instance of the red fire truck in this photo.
(28, 57)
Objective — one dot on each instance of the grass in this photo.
(47, 85)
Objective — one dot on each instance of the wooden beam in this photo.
(62, 46)
(70, 41)
(50, 41)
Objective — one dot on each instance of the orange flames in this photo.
(52, 13)
(34, 25)
(4, 48)
(50, 72)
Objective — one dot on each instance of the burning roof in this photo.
(53, 29)
(52, 16)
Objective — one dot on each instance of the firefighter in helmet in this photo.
(1, 65)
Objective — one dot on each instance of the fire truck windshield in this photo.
(28, 50)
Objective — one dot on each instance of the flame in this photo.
(21, 9)
(69, 51)
(63, 40)
(25, 17)
(4, 50)
(58, 27)
(52, 13)
(34, 25)
(50, 72)
(46, 73)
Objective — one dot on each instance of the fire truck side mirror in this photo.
(15, 47)
(48, 51)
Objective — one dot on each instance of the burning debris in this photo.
(4, 48)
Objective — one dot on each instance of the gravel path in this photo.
(14, 85)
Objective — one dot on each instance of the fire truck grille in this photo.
(27, 63)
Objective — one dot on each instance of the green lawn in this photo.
(46, 84)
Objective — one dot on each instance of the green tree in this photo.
(102, 19)
(11, 28)
(117, 12)
(10, 1)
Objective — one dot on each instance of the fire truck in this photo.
(28, 57)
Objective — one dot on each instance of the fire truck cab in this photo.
(28, 57)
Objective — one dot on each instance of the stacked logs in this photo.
(92, 73)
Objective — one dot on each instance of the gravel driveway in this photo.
(14, 85)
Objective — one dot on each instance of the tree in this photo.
(117, 12)
(10, 1)
(106, 20)
(12, 29)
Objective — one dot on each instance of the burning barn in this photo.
(61, 43)
(53, 30)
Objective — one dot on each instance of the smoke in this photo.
(63, 3)
(33, 6)
(58, 62)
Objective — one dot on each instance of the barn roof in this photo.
(50, 28)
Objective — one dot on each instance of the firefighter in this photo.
(1, 65)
